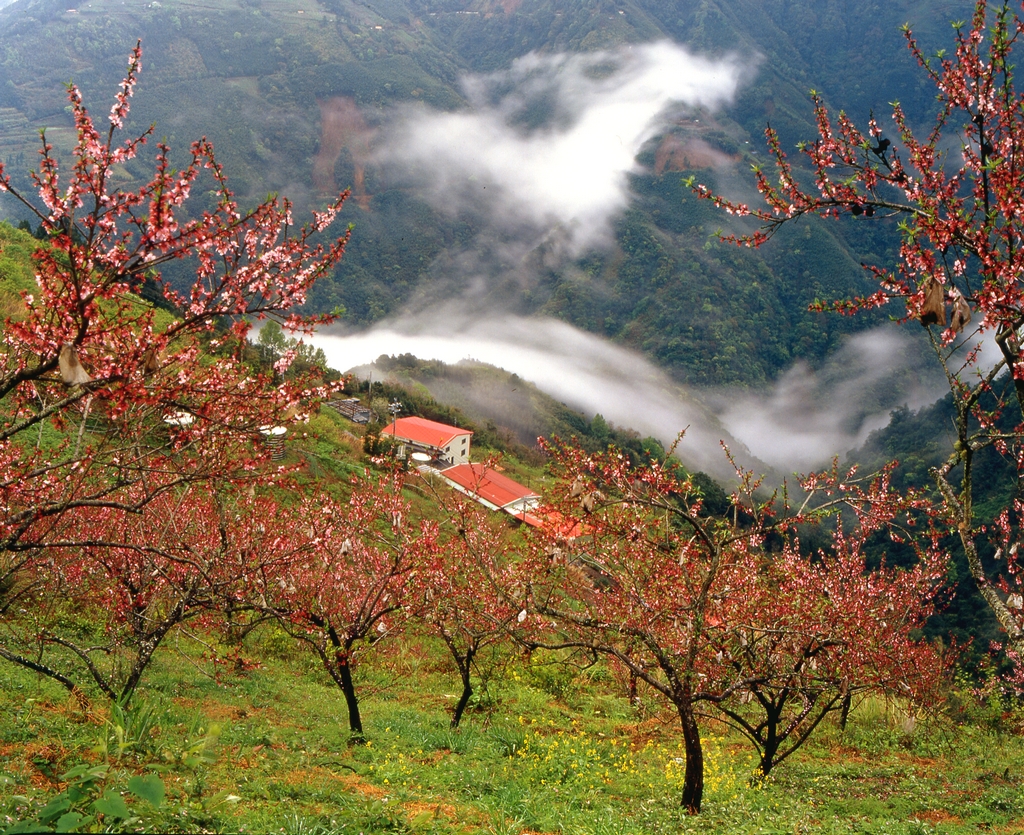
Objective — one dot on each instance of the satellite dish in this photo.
(420, 457)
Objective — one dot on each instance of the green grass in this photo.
(266, 748)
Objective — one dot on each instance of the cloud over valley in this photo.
(798, 424)
(540, 161)
(549, 143)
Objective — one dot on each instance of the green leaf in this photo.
(71, 821)
(148, 787)
(25, 826)
(55, 808)
(113, 805)
(88, 773)
(77, 771)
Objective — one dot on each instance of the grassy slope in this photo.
(543, 752)
(258, 742)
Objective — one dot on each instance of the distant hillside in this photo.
(502, 404)
(296, 93)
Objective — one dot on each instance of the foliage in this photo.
(506, 413)
(253, 77)
(920, 441)
(90, 800)
(114, 795)
(460, 590)
(334, 575)
(273, 346)
(284, 764)
(132, 519)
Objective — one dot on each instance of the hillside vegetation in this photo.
(236, 728)
(235, 721)
(223, 606)
(292, 94)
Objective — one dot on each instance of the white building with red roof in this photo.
(492, 489)
(446, 444)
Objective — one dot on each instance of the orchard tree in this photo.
(471, 593)
(115, 582)
(108, 402)
(956, 194)
(344, 584)
(727, 612)
(811, 631)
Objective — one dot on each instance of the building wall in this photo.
(458, 450)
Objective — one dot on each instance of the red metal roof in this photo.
(490, 485)
(422, 431)
(555, 522)
(530, 519)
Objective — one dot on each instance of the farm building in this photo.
(492, 489)
(443, 443)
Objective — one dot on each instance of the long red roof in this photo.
(490, 485)
(422, 431)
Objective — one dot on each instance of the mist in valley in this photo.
(542, 158)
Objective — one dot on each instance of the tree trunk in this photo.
(464, 664)
(693, 777)
(146, 648)
(355, 724)
(962, 505)
(344, 678)
(771, 739)
(844, 715)
(771, 748)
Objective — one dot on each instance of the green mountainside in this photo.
(507, 412)
(293, 91)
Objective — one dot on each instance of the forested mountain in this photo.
(300, 97)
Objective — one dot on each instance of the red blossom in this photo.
(732, 612)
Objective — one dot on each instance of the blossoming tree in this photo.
(728, 613)
(108, 402)
(471, 592)
(956, 194)
(113, 582)
(335, 574)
